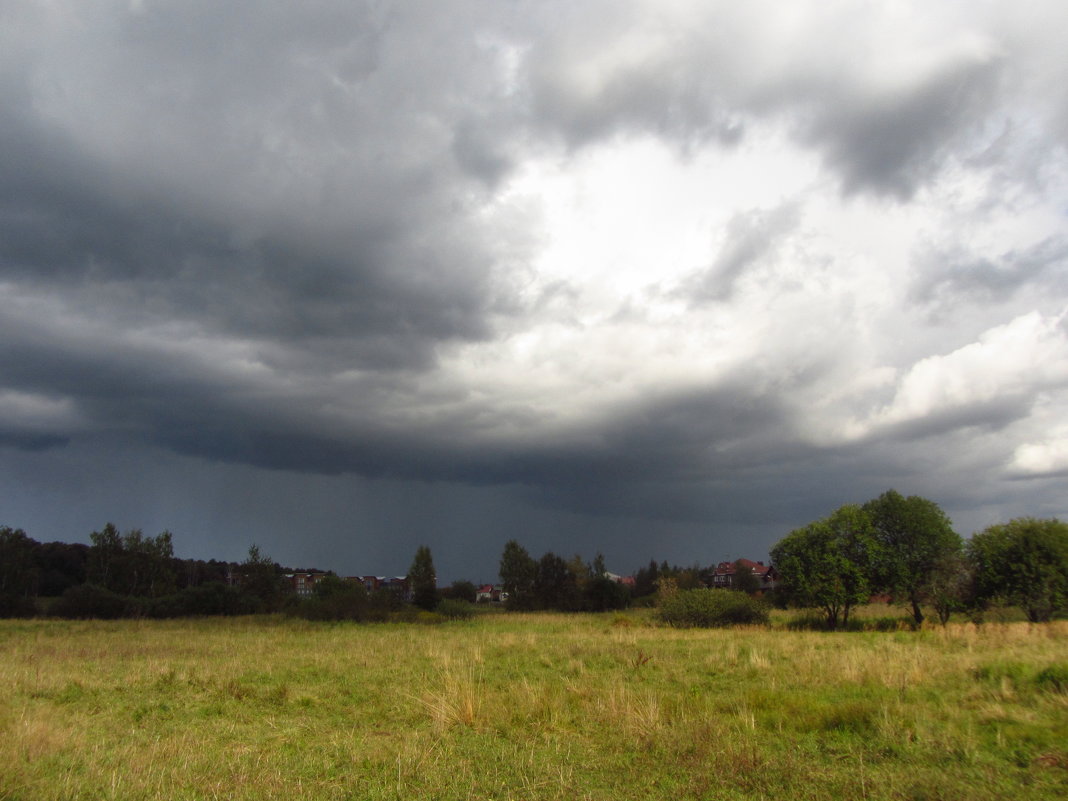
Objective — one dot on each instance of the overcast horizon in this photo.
(653, 279)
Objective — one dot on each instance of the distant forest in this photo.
(130, 574)
(133, 575)
(901, 550)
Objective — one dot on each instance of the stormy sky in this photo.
(657, 279)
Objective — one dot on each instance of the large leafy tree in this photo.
(1025, 563)
(423, 579)
(517, 572)
(950, 586)
(916, 539)
(828, 564)
(555, 584)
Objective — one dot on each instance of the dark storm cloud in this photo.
(262, 235)
(27, 441)
(183, 218)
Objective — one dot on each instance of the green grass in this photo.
(529, 707)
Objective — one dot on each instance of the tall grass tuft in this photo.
(457, 699)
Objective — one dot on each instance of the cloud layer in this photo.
(674, 264)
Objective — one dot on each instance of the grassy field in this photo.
(529, 707)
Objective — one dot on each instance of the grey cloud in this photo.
(644, 100)
(751, 238)
(307, 184)
(371, 257)
(121, 386)
(949, 277)
(891, 142)
(587, 83)
(30, 441)
(711, 80)
(993, 415)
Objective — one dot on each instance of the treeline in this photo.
(552, 582)
(900, 548)
(133, 575)
(129, 575)
(906, 549)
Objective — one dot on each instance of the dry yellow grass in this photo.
(528, 706)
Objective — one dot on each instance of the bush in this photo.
(335, 599)
(16, 606)
(212, 598)
(455, 609)
(90, 601)
(712, 608)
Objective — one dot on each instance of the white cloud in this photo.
(1035, 459)
(1009, 364)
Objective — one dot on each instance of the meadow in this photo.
(529, 706)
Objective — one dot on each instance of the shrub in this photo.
(90, 601)
(461, 590)
(334, 599)
(711, 608)
(16, 606)
(455, 609)
(212, 598)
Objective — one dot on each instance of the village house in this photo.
(491, 593)
(723, 577)
(397, 584)
(303, 584)
(626, 581)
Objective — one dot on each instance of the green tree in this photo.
(131, 563)
(423, 579)
(104, 566)
(581, 572)
(828, 564)
(18, 572)
(645, 580)
(149, 564)
(1025, 563)
(463, 590)
(517, 571)
(602, 593)
(597, 566)
(555, 585)
(260, 580)
(744, 579)
(949, 586)
(916, 537)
